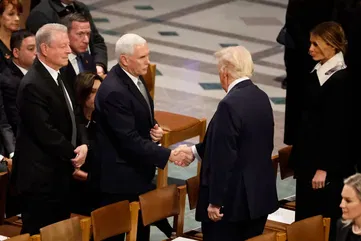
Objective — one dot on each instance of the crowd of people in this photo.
(76, 136)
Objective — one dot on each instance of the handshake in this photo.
(182, 156)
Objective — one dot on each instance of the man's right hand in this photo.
(182, 156)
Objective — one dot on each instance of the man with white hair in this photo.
(47, 151)
(127, 133)
(237, 182)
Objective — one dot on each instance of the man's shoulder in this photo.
(81, 6)
(43, 6)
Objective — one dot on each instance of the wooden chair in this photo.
(310, 229)
(176, 127)
(268, 237)
(115, 219)
(164, 203)
(22, 237)
(68, 229)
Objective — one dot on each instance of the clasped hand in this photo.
(182, 156)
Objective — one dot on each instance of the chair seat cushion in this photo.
(174, 122)
(9, 230)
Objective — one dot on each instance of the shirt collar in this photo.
(337, 59)
(51, 71)
(71, 57)
(132, 77)
(234, 83)
(23, 70)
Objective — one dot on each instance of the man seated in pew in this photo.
(127, 147)
(237, 182)
(80, 60)
(22, 44)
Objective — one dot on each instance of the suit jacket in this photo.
(43, 144)
(69, 72)
(237, 171)
(9, 84)
(7, 139)
(325, 125)
(125, 153)
(51, 11)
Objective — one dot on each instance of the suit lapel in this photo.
(51, 83)
(135, 91)
(15, 70)
(88, 62)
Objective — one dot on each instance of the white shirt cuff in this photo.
(195, 153)
(1, 157)
(11, 155)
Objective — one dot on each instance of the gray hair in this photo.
(125, 44)
(354, 182)
(45, 34)
(237, 60)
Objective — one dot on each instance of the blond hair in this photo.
(354, 182)
(236, 60)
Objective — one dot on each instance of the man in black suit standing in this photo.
(237, 181)
(51, 11)
(127, 133)
(7, 139)
(80, 60)
(22, 44)
(46, 151)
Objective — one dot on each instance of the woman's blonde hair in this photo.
(354, 182)
(333, 35)
(237, 60)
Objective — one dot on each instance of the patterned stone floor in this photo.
(182, 36)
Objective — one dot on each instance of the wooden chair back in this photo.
(149, 79)
(114, 219)
(164, 203)
(283, 156)
(310, 229)
(193, 191)
(68, 229)
(22, 237)
(265, 237)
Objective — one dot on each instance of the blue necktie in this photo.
(80, 64)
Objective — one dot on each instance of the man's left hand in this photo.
(156, 133)
(214, 213)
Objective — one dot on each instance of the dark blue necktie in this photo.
(80, 64)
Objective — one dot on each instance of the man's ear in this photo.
(44, 49)
(123, 60)
(16, 53)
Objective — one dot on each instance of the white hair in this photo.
(237, 60)
(125, 44)
(46, 32)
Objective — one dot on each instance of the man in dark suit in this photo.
(237, 181)
(22, 44)
(7, 139)
(80, 60)
(127, 133)
(51, 11)
(46, 153)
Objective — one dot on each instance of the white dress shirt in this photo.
(74, 62)
(234, 83)
(326, 70)
(133, 78)
(55, 74)
(24, 71)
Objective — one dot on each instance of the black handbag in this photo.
(285, 38)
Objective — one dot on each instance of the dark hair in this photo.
(84, 85)
(16, 4)
(17, 38)
(73, 17)
(333, 34)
